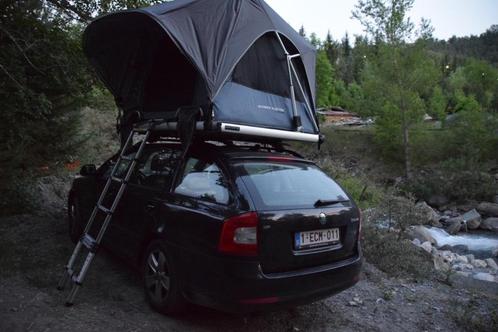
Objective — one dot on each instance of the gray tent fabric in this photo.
(190, 47)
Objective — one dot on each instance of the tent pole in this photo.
(295, 116)
(308, 105)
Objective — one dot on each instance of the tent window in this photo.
(264, 67)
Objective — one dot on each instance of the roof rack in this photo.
(221, 131)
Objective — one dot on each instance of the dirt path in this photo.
(33, 249)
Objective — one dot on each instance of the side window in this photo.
(156, 169)
(203, 180)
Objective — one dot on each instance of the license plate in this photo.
(318, 238)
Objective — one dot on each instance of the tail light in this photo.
(239, 235)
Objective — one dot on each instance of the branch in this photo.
(21, 50)
(66, 5)
(11, 77)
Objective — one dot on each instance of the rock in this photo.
(488, 209)
(467, 206)
(472, 219)
(484, 276)
(479, 263)
(429, 214)
(440, 264)
(471, 258)
(462, 267)
(464, 280)
(454, 225)
(421, 233)
(416, 242)
(427, 246)
(495, 252)
(438, 200)
(462, 259)
(491, 264)
(490, 224)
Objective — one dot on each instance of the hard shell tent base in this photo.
(242, 66)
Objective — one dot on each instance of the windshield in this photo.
(288, 185)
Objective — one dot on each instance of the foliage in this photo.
(399, 76)
(385, 243)
(324, 80)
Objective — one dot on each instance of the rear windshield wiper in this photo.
(325, 202)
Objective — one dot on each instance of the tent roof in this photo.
(212, 34)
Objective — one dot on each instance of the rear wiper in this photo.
(329, 202)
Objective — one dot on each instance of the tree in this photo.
(398, 76)
(331, 48)
(324, 80)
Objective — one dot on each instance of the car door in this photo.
(200, 200)
(153, 176)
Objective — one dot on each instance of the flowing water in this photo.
(479, 242)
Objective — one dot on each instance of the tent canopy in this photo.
(226, 56)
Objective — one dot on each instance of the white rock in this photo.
(484, 277)
(422, 233)
(416, 242)
(462, 259)
(479, 263)
(440, 264)
(471, 258)
(492, 264)
(427, 246)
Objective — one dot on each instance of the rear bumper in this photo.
(241, 286)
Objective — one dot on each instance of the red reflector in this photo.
(261, 300)
(227, 243)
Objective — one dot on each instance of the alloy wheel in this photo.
(157, 279)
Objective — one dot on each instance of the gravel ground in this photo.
(35, 247)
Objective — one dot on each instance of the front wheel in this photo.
(161, 280)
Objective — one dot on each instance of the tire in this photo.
(161, 280)
(74, 217)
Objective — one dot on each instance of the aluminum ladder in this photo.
(87, 241)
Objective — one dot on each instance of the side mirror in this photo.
(88, 170)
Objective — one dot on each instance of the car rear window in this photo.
(287, 185)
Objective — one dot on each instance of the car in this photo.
(234, 227)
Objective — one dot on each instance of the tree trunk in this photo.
(406, 146)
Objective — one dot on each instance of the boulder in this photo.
(492, 264)
(484, 277)
(488, 209)
(422, 234)
(472, 219)
(479, 263)
(454, 225)
(467, 206)
(438, 200)
(495, 253)
(416, 242)
(462, 259)
(440, 264)
(427, 246)
(471, 258)
(431, 216)
(490, 224)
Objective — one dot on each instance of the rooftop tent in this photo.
(237, 60)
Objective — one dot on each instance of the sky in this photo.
(448, 17)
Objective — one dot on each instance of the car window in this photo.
(156, 168)
(203, 180)
(276, 185)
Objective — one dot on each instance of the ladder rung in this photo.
(89, 242)
(127, 158)
(74, 279)
(104, 209)
(116, 179)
